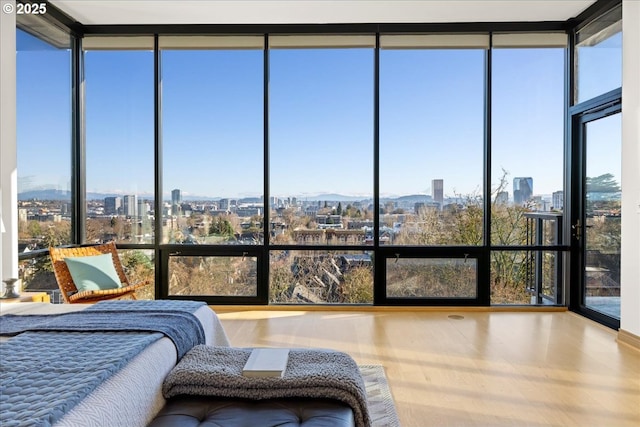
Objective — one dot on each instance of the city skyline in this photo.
(53, 194)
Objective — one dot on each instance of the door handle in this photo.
(577, 229)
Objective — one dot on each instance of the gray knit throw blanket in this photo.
(311, 373)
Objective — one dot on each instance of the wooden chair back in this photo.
(63, 276)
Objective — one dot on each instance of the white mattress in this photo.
(133, 396)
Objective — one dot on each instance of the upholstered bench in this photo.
(191, 411)
(318, 388)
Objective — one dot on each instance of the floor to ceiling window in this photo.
(527, 165)
(44, 141)
(321, 168)
(119, 99)
(431, 160)
(119, 147)
(212, 139)
(392, 168)
(212, 161)
(320, 140)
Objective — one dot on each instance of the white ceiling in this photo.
(154, 12)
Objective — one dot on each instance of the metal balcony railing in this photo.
(544, 267)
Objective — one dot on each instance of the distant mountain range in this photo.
(66, 195)
(44, 195)
(412, 198)
(332, 197)
(52, 194)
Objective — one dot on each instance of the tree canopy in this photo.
(602, 184)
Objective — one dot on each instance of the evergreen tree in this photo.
(602, 184)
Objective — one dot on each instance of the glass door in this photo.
(597, 229)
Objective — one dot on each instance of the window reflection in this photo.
(598, 56)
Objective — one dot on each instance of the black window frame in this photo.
(163, 251)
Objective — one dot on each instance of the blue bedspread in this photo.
(183, 329)
(177, 323)
(46, 372)
(148, 305)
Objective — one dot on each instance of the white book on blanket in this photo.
(266, 362)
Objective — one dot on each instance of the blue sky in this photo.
(43, 115)
(212, 122)
(321, 119)
(431, 120)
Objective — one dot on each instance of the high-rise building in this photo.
(522, 189)
(437, 191)
(111, 205)
(129, 205)
(176, 202)
(557, 200)
(176, 196)
(143, 209)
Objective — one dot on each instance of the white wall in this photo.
(8, 160)
(630, 286)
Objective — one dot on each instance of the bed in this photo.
(133, 395)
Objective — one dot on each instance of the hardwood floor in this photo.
(489, 368)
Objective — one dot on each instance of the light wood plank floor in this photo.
(491, 368)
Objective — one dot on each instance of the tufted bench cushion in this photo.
(189, 411)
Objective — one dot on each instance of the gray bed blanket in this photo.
(310, 373)
(183, 328)
(45, 374)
